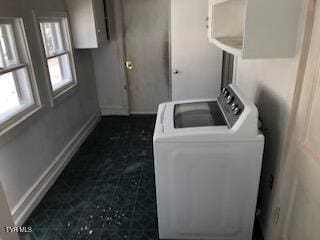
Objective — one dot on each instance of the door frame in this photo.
(170, 54)
(228, 62)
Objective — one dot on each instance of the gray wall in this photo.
(146, 37)
(150, 81)
(27, 152)
(5, 218)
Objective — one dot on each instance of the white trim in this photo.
(69, 90)
(14, 122)
(13, 68)
(143, 113)
(50, 14)
(62, 15)
(113, 110)
(37, 191)
(23, 49)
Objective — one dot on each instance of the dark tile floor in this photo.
(107, 191)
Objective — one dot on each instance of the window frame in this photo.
(58, 95)
(16, 18)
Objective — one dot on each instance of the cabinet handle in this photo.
(98, 30)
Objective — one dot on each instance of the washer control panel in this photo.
(231, 105)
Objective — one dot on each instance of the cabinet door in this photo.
(100, 23)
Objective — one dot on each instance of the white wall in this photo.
(270, 84)
(27, 152)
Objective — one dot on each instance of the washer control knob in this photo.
(236, 110)
(229, 99)
(233, 106)
(225, 93)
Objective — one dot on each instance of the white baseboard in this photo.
(37, 191)
(120, 110)
(143, 113)
(113, 110)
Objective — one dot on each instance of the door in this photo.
(5, 218)
(195, 63)
(300, 194)
(146, 49)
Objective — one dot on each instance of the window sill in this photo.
(18, 123)
(62, 95)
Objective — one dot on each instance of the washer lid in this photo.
(198, 114)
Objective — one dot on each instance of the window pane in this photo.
(8, 93)
(16, 89)
(59, 70)
(8, 48)
(52, 37)
(25, 90)
(15, 93)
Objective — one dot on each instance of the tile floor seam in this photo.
(78, 221)
(113, 194)
(135, 202)
(58, 210)
(105, 221)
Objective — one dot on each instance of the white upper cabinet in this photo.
(88, 23)
(255, 28)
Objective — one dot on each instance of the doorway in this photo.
(145, 33)
(195, 62)
(227, 69)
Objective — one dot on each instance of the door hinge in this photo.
(276, 215)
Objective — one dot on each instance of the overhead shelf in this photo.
(221, 1)
(232, 45)
(270, 28)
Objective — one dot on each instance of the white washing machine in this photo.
(207, 156)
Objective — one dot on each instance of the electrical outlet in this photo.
(276, 215)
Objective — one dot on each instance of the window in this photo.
(18, 93)
(58, 53)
